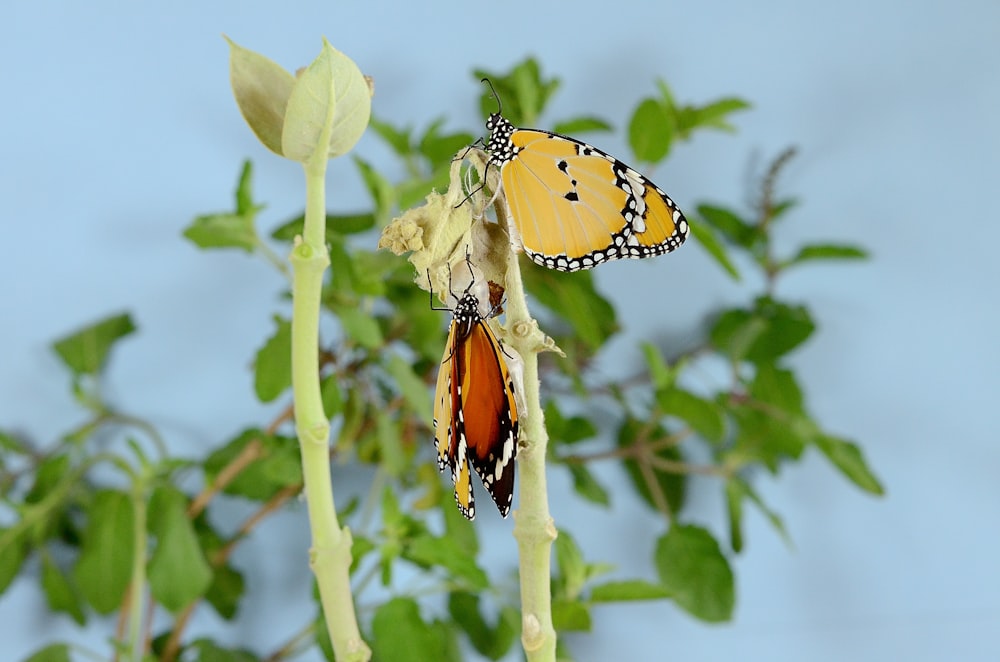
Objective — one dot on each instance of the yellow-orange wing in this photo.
(574, 206)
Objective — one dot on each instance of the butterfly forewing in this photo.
(575, 206)
(489, 414)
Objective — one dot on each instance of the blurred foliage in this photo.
(88, 514)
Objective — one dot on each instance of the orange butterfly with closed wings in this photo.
(475, 409)
(573, 206)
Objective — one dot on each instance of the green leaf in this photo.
(59, 593)
(273, 367)
(627, 590)
(360, 326)
(86, 350)
(707, 240)
(411, 387)
(576, 300)
(333, 399)
(488, 640)
(209, 651)
(587, 486)
(428, 551)
(847, 457)
(393, 454)
(768, 331)
(704, 416)
(523, 92)
(262, 89)
(735, 492)
(440, 148)
(732, 227)
(278, 464)
(570, 615)
(50, 473)
(742, 489)
(227, 587)
(12, 555)
(223, 231)
(400, 635)
(650, 132)
(578, 125)
(815, 252)
(330, 101)
(696, 574)
(572, 568)
(715, 115)
(104, 567)
(567, 430)
(661, 375)
(381, 189)
(398, 139)
(178, 570)
(777, 386)
(672, 486)
(51, 653)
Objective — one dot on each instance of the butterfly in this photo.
(573, 206)
(475, 409)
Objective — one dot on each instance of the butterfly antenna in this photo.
(494, 91)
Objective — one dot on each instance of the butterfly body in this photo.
(573, 206)
(475, 410)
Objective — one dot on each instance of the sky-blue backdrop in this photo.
(118, 127)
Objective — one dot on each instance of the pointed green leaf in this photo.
(86, 350)
(262, 89)
(715, 115)
(847, 457)
(400, 635)
(411, 387)
(104, 567)
(707, 240)
(491, 641)
(59, 593)
(523, 92)
(380, 188)
(223, 231)
(661, 375)
(567, 430)
(815, 252)
(333, 399)
(733, 228)
(570, 616)
(278, 465)
(694, 571)
(627, 590)
(735, 492)
(428, 551)
(650, 132)
(209, 651)
(587, 486)
(572, 568)
(576, 300)
(178, 570)
(703, 415)
(398, 139)
(51, 653)
(12, 555)
(360, 327)
(330, 102)
(273, 367)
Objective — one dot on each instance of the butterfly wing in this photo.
(575, 206)
(488, 419)
(449, 439)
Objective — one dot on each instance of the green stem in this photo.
(534, 528)
(330, 556)
(138, 582)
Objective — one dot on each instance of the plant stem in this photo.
(138, 582)
(330, 556)
(534, 528)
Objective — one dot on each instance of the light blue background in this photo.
(119, 127)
